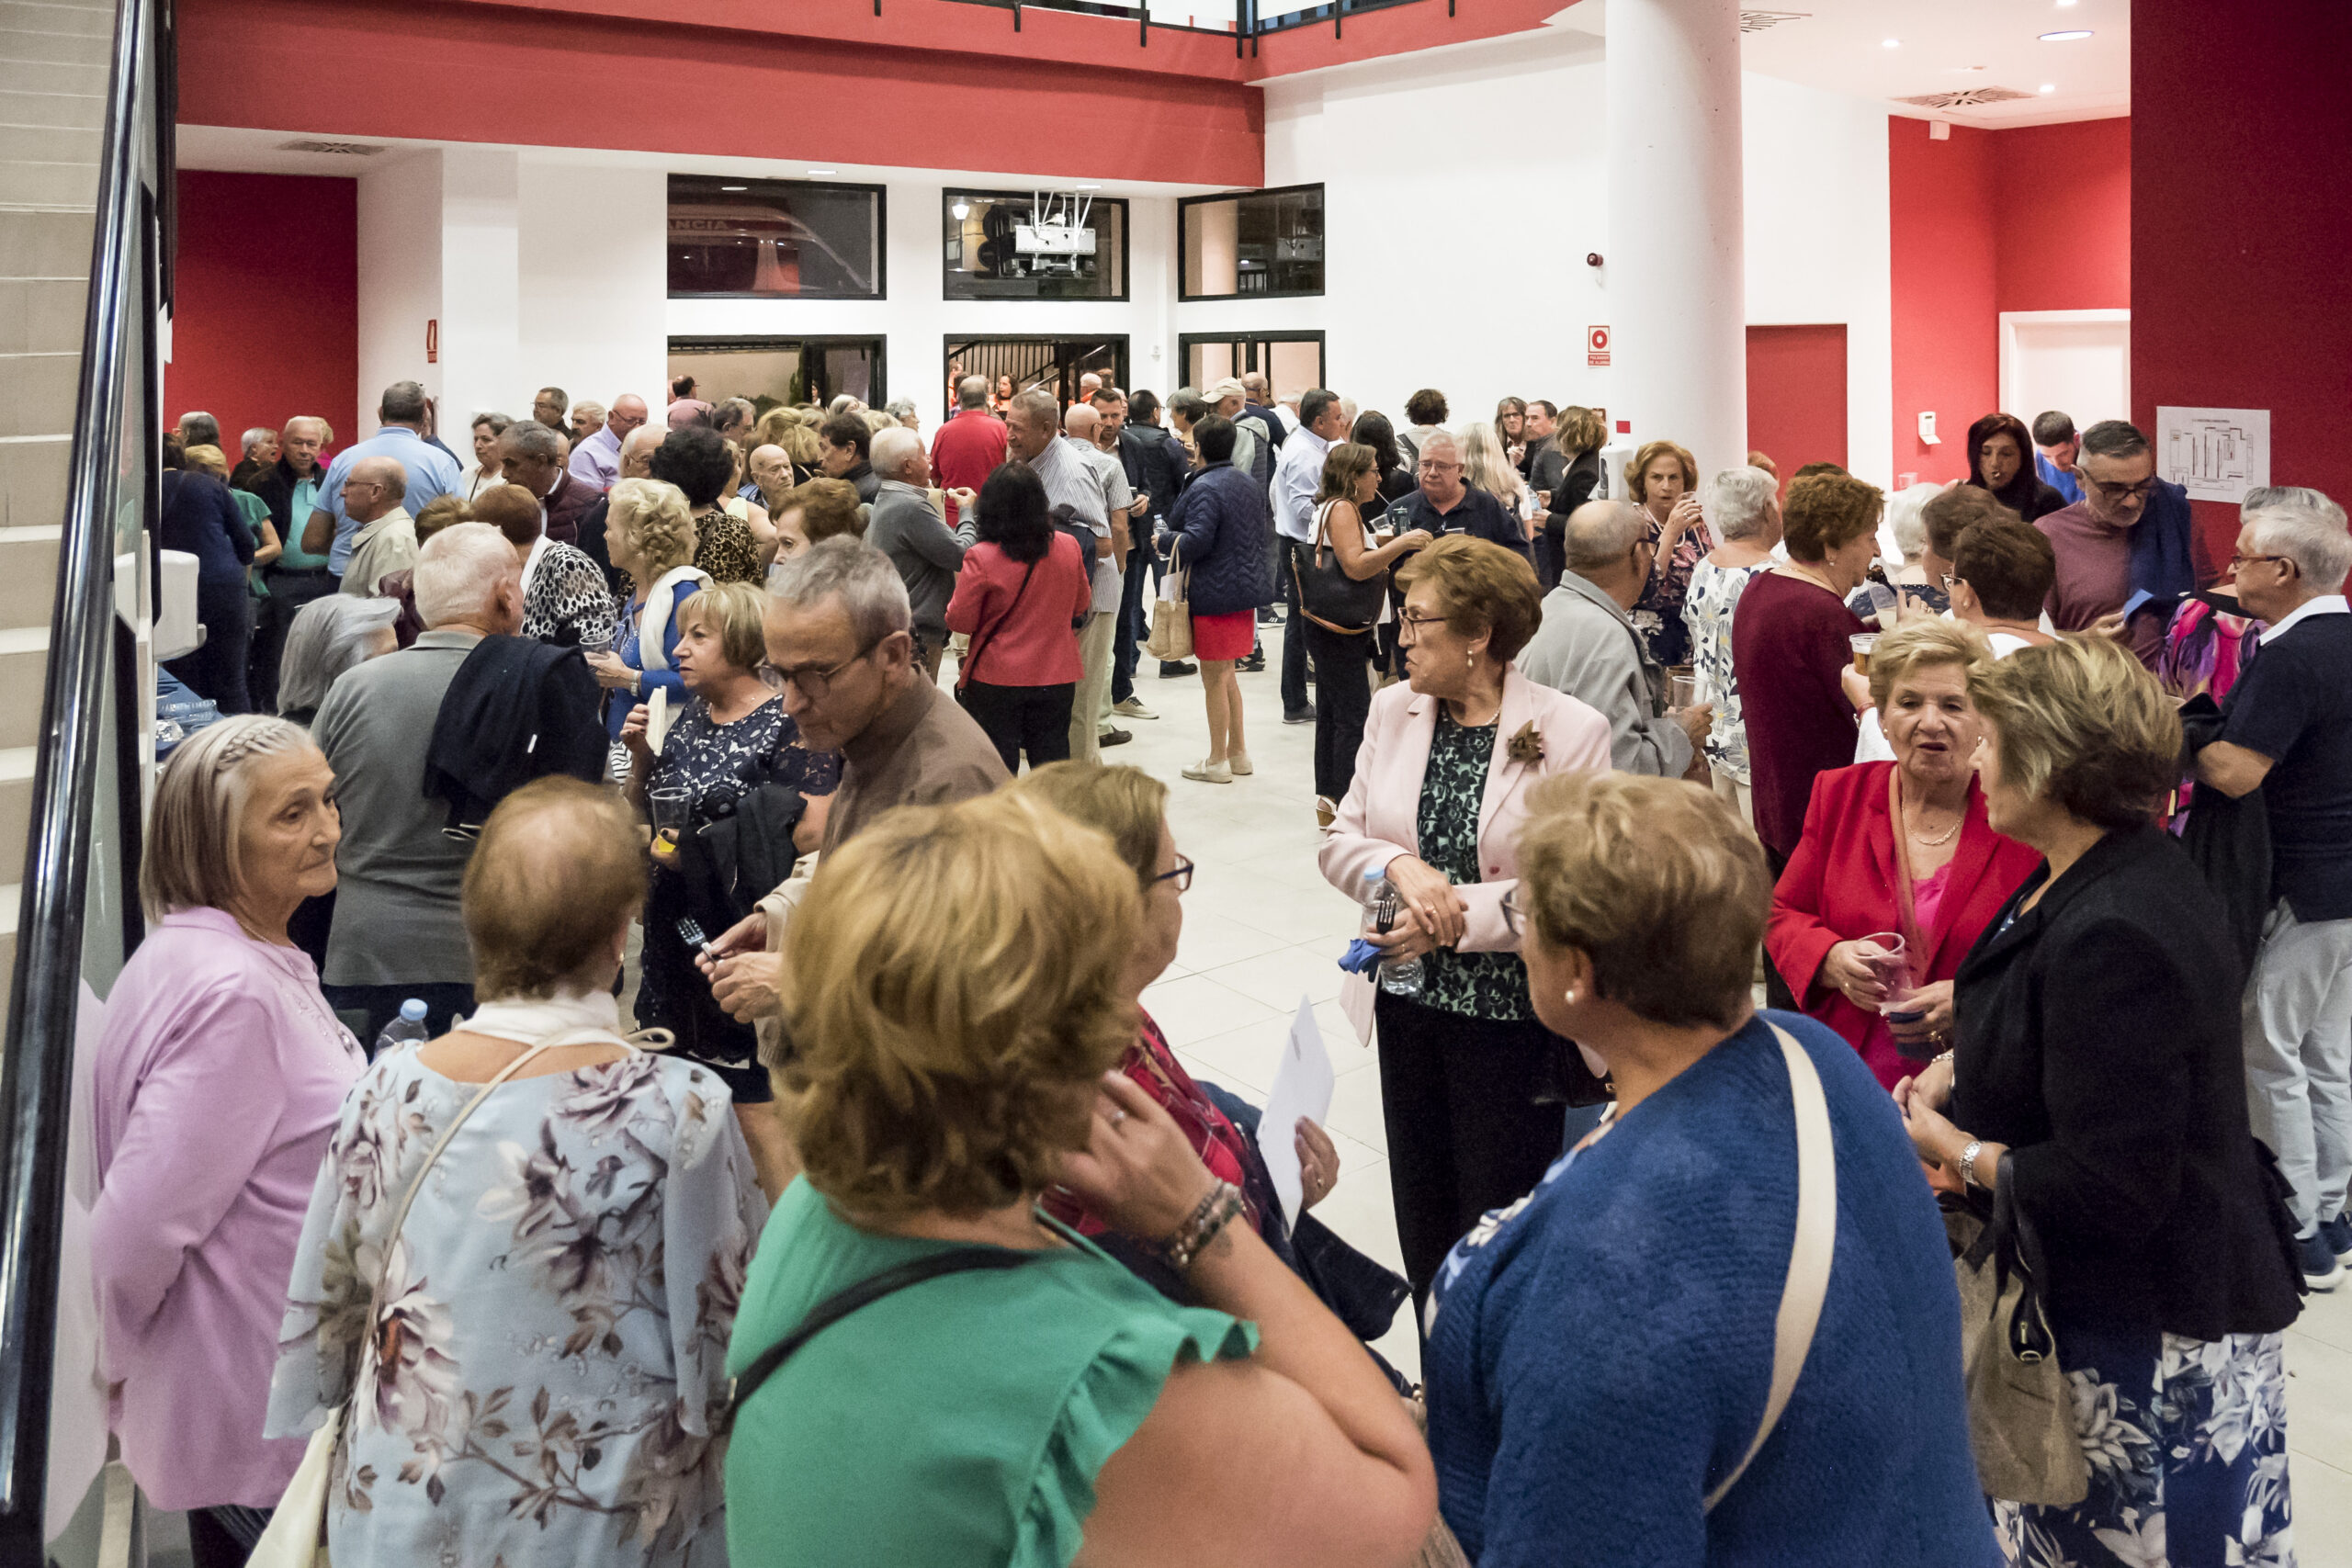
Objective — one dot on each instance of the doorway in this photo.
(1797, 395)
(1291, 362)
(2078, 361)
(1052, 363)
(772, 371)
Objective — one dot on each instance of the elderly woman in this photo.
(1220, 529)
(1903, 547)
(957, 1006)
(698, 462)
(2000, 459)
(1747, 518)
(329, 637)
(2098, 1077)
(1898, 847)
(487, 469)
(814, 511)
(1663, 481)
(1469, 1077)
(565, 601)
(1564, 473)
(651, 537)
(1599, 1354)
(524, 1249)
(216, 1083)
(1023, 582)
(716, 763)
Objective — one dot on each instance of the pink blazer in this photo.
(1378, 821)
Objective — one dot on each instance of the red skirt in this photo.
(1224, 637)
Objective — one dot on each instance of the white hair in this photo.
(892, 446)
(592, 411)
(1907, 519)
(458, 571)
(862, 577)
(2311, 535)
(1738, 500)
(329, 636)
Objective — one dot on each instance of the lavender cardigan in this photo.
(219, 1076)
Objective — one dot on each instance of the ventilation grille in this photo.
(1756, 21)
(1966, 97)
(339, 149)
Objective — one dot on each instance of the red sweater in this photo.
(1028, 643)
(968, 449)
(1788, 648)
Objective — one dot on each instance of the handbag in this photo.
(1327, 594)
(296, 1536)
(2020, 1406)
(1171, 613)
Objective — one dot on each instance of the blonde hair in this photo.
(1485, 465)
(653, 517)
(2080, 722)
(194, 856)
(1637, 482)
(205, 459)
(1922, 644)
(733, 611)
(1126, 803)
(799, 443)
(557, 874)
(953, 993)
(1657, 882)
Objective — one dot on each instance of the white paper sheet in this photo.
(2218, 453)
(1302, 1088)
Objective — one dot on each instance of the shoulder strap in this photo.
(986, 634)
(1809, 1255)
(866, 1292)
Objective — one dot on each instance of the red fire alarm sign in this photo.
(1596, 346)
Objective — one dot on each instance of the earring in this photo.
(1570, 996)
(1469, 661)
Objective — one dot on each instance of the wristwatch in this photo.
(1968, 1162)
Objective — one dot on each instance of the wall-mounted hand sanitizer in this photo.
(1927, 436)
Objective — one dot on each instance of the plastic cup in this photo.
(1861, 643)
(1884, 603)
(1682, 689)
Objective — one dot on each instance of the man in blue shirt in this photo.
(432, 472)
(598, 458)
(2055, 447)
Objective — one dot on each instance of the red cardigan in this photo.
(1028, 643)
(1839, 885)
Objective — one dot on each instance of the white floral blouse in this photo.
(539, 1383)
(1707, 611)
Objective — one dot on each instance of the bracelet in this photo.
(1941, 1056)
(1968, 1162)
(1201, 1227)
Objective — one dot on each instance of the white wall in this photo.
(594, 284)
(399, 279)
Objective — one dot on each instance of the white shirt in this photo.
(539, 548)
(1297, 475)
(2320, 604)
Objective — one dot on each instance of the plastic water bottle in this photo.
(408, 1029)
(1398, 978)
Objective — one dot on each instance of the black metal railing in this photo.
(1249, 19)
(77, 828)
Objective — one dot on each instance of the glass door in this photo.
(1291, 362)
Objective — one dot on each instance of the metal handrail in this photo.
(36, 1073)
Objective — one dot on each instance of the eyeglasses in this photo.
(1514, 917)
(1431, 466)
(1949, 580)
(2237, 560)
(2122, 492)
(1182, 876)
(1408, 621)
(814, 684)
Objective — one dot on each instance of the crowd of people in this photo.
(785, 1169)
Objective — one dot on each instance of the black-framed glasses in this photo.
(814, 684)
(1410, 622)
(2122, 492)
(1514, 917)
(1182, 876)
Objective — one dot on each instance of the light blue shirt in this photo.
(2057, 478)
(598, 460)
(432, 473)
(1297, 476)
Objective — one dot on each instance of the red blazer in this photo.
(1839, 885)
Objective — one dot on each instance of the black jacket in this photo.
(1155, 463)
(2228, 838)
(275, 485)
(2099, 1039)
(518, 710)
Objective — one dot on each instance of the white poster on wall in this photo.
(2218, 453)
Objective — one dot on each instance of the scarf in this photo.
(653, 623)
(572, 1021)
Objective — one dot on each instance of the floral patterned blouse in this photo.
(724, 546)
(717, 764)
(539, 1380)
(1657, 613)
(1482, 984)
(1706, 617)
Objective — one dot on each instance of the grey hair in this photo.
(1040, 405)
(1907, 518)
(2113, 438)
(499, 423)
(458, 571)
(403, 404)
(329, 636)
(588, 410)
(257, 434)
(731, 411)
(898, 407)
(1738, 500)
(867, 584)
(2261, 496)
(195, 852)
(842, 403)
(1440, 436)
(892, 446)
(531, 439)
(1600, 533)
(306, 419)
(972, 392)
(2312, 536)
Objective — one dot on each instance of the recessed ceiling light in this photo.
(824, 171)
(2068, 36)
(1090, 188)
(734, 187)
(1891, 43)
(2049, 86)
(2063, 4)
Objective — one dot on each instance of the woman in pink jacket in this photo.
(219, 1077)
(1470, 1080)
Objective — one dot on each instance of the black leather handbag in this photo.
(1330, 598)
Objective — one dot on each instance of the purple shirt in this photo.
(220, 1077)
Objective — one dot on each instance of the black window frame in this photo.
(880, 194)
(1184, 206)
(1122, 345)
(1184, 341)
(947, 196)
(690, 343)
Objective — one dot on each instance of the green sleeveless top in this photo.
(957, 1424)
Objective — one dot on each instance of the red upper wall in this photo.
(2061, 230)
(265, 317)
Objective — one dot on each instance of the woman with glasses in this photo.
(1470, 1079)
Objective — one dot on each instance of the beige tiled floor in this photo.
(1261, 929)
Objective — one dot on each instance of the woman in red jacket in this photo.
(1016, 596)
(1900, 846)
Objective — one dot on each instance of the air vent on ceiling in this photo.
(339, 149)
(1756, 21)
(1967, 97)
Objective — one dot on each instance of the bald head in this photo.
(896, 454)
(374, 487)
(628, 413)
(771, 470)
(1080, 421)
(1600, 544)
(637, 452)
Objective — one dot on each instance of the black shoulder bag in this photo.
(1327, 594)
(986, 634)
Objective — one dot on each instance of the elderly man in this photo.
(385, 539)
(1322, 424)
(968, 447)
(431, 473)
(585, 418)
(903, 410)
(771, 477)
(548, 407)
(1090, 711)
(1088, 384)
(598, 458)
(260, 451)
(839, 636)
(844, 449)
(1254, 443)
(916, 538)
(2055, 447)
(2287, 730)
(288, 488)
(1445, 504)
(1586, 646)
(2127, 542)
(531, 454)
(397, 928)
(1257, 403)
(198, 429)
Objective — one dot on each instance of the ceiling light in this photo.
(1090, 188)
(961, 211)
(2068, 36)
(824, 171)
(2049, 86)
(2063, 4)
(1891, 43)
(734, 187)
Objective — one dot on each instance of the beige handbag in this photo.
(2020, 1406)
(1171, 613)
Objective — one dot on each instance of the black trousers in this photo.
(224, 1537)
(368, 1008)
(217, 668)
(1126, 641)
(1035, 719)
(1343, 701)
(1467, 1131)
(1294, 677)
(288, 591)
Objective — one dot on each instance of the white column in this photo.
(481, 285)
(399, 279)
(1674, 262)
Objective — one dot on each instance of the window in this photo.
(770, 371)
(1291, 362)
(1052, 245)
(1015, 364)
(773, 239)
(1266, 243)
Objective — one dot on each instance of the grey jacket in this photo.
(1587, 649)
(918, 542)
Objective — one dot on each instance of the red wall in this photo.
(2062, 236)
(1797, 395)
(2243, 137)
(265, 317)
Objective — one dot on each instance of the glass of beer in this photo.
(670, 806)
(1861, 643)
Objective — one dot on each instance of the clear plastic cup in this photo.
(1861, 643)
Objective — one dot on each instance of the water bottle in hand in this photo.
(408, 1029)
(1398, 978)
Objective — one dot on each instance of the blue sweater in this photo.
(1225, 525)
(1601, 1352)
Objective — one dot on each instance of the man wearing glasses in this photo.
(2124, 549)
(1445, 504)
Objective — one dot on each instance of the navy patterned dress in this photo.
(1480, 984)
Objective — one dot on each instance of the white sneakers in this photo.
(1133, 708)
(1210, 772)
